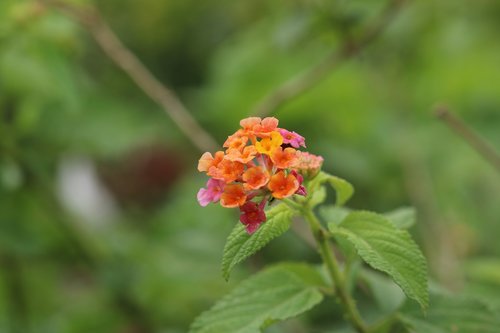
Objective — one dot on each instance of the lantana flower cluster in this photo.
(261, 162)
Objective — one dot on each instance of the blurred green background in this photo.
(100, 230)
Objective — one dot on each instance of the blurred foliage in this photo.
(152, 262)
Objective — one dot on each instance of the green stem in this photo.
(292, 204)
(326, 252)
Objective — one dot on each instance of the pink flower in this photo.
(301, 190)
(293, 139)
(252, 215)
(308, 164)
(212, 193)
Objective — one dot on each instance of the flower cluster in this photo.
(260, 163)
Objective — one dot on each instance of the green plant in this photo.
(344, 238)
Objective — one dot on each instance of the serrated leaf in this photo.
(453, 314)
(403, 217)
(277, 293)
(343, 189)
(388, 249)
(240, 245)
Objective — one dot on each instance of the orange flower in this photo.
(255, 177)
(284, 159)
(236, 141)
(248, 124)
(283, 186)
(269, 145)
(259, 127)
(233, 196)
(266, 127)
(207, 161)
(244, 156)
(226, 170)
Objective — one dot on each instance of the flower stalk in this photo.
(339, 283)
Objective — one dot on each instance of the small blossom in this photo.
(212, 193)
(226, 170)
(282, 186)
(293, 139)
(248, 124)
(268, 145)
(236, 141)
(255, 177)
(245, 156)
(252, 215)
(207, 161)
(266, 127)
(262, 128)
(233, 196)
(284, 158)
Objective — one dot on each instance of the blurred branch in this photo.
(471, 137)
(92, 20)
(308, 79)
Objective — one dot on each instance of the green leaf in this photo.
(343, 189)
(403, 217)
(278, 293)
(317, 197)
(386, 248)
(240, 245)
(386, 293)
(336, 214)
(453, 314)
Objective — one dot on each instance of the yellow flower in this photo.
(269, 145)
